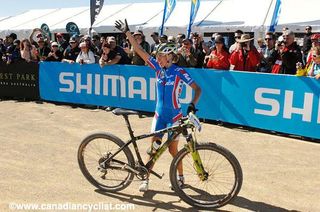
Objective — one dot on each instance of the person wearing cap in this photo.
(117, 54)
(156, 40)
(43, 50)
(163, 39)
(187, 56)
(219, 56)
(199, 46)
(136, 59)
(169, 79)
(72, 51)
(245, 57)
(291, 55)
(85, 56)
(55, 54)
(39, 35)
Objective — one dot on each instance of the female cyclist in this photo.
(170, 79)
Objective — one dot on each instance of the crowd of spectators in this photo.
(273, 54)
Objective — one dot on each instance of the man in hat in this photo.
(117, 54)
(72, 51)
(245, 57)
(187, 56)
(136, 59)
(62, 43)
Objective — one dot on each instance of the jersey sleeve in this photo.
(153, 63)
(185, 76)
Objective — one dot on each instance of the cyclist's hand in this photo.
(123, 27)
(191, 108)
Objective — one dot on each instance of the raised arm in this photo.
(123, 27)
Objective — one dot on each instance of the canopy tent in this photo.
(213, 16)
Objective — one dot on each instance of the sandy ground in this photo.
(38, 162)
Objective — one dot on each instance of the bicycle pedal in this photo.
(156, 174)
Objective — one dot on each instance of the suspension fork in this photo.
(197, 162)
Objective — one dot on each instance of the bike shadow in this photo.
(251, 205)
(147, 200)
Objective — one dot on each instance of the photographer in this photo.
(55, 54)
(187, 54)
(245, 57)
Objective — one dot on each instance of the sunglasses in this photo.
(106, 46)
(218, 42)
(72, 42)
(237, 37)
(314, 55)
(268, 39)
(55, 46)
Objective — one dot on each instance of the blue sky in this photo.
(14, 7)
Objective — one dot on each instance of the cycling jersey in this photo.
(169, 86)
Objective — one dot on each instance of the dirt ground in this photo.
(38, 162)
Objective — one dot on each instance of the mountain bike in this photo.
(213, 175)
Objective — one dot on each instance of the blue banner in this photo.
(195, 4)
(275, 16)
(282, 103)
(169, 6)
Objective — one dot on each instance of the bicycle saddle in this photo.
(124, 112)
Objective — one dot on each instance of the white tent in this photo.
(213, 16)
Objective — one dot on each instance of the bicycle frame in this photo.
(176, 130)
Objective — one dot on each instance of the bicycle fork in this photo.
(197, 162)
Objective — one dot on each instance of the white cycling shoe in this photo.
(180, 182)
(144, 186)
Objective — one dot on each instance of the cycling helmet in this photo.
(167, 48)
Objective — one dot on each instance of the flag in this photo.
(275, 17)
(193, 12)
(45, 28)
(72, 29)
(95, 8)
(169, 6)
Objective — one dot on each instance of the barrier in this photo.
(19, 80)
(281, 103)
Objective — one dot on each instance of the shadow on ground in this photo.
(148, 201)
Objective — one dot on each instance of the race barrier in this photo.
(19, 80)
(280, 103)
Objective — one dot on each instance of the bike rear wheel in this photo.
(224, 177)
(98, 147)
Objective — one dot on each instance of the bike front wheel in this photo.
(95, 149)
(222, 184)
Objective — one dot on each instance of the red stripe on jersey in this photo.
(151, 65)
(177, 117)
(174, 97)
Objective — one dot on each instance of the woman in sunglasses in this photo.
(312, 69)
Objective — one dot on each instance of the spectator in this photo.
(9, 48)
(154, 46)
(198, 44)
(62, 43)
(16, 54)
(163, 39)
(280, 46)
(270, 55)
(187, 56)
(86, 56)
(219, 56)
(117, 54)
(26, 51)
(171, 39)
(246, 57)
(87, 40)
(307, 44)
(180, 38)
(96, 44)
(55, 54)
(237, 35)
(108, 57)
(315, 41)
(72, 51)
(313, 68)
(2, 48)
(291, 54)
(43, 50)
(38, 33)
(136, 59)
(261, 46)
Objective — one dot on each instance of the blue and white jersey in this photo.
(169, 87)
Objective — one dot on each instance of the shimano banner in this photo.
(291, 106)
